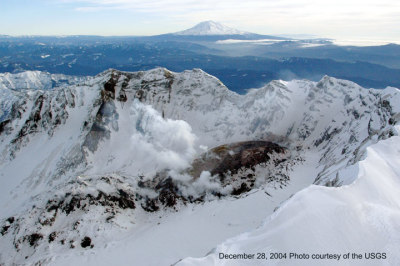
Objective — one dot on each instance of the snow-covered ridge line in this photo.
(121, 145)
(30, 80)
(37, 80)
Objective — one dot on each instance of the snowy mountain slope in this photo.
(103, 160)
(42, 132)
(36, 80)
(362, 217)
(210, 28)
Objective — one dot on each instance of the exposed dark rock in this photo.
(242, 189)
(140, 95)
(122, 96)
(48, 221)
(168, 198)
(75, 226)
(327, 136)
(168, 192)
(33, 239)
(52, 237)
(38, 105)
(150, 205)
(3, 125)
(74, 202)
(109, 218)
(386, 104)
(109, 87)
(106, 118)
(232, 157)
(125, 201)
(122, 199)
(356, 114)
(4, 229)
(7, 225)
(86, 242)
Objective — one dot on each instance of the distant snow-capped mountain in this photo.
(211, 28)
(115, 166)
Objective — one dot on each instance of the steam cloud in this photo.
(160, 143)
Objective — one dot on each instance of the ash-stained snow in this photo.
(120, 166)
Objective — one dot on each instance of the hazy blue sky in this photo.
(350, 19)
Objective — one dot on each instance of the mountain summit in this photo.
(210, 28)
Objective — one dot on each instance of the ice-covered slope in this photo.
(361, 218)
(111, 160)
(210, 28)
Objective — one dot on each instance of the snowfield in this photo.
(163, 168)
